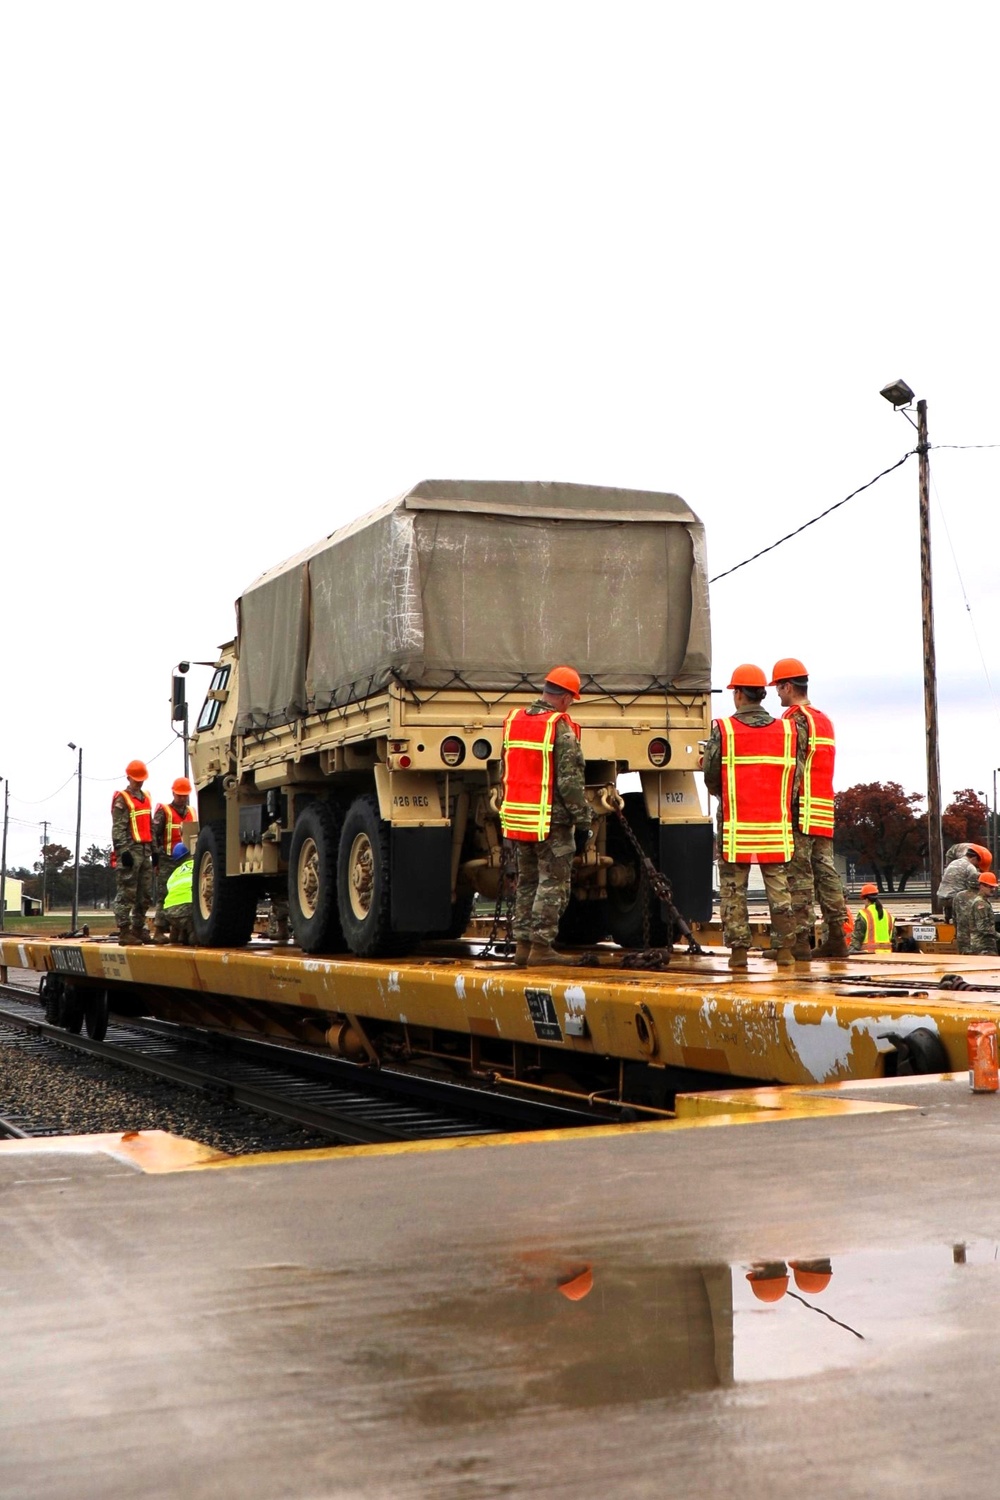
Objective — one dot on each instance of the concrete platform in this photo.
(568, 1316)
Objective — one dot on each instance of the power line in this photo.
(965, 597)
(118, 775)
(829, 510)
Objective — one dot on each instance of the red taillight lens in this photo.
(453, 750)
(658, 752)
(403, 761)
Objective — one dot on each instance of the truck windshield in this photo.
(211, 707)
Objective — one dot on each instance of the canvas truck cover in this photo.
(486, 585)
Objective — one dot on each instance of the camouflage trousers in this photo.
(134, 888)
(733, 881)
(812, 876)
(543, 876)
(178, 921)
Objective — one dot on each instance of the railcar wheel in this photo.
(364, 884)
(625, 902)
(72, 1009)
(50, 992)
(95, 1015)
(225, 906)
(312, 879)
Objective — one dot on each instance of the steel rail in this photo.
(335, 1098)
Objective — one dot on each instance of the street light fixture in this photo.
(178, 705)
(899, 395)
(79, 812)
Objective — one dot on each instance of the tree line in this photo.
(881, 828)
(54, 873)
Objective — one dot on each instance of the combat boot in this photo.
(124, 936)
(543, 955)
(785, 958)
(140, 935)
(522, 952)
(801, 952)
(835, 945)
(738, 958)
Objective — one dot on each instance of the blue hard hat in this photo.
(180, 851)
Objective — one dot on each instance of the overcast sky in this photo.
(264, 267)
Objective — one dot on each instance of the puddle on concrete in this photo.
(551, 1333)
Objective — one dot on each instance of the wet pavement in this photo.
(803, 1307)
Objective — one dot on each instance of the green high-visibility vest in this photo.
(179, 886)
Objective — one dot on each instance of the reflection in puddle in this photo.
(549, 1333)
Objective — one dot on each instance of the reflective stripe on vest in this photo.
(180, 885)
(173, 820)
(528, 744)
(140, 811)
(816, 792)
(878, 932)
(758, 766)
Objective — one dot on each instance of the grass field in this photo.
(55, 922)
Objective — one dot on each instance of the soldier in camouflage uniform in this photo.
(974, 922)
(812, 873)
(544, 866)
(134, 855)
(734, 878)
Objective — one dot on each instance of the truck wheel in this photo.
(312, 879)
(625, 902)
(225, 906)
(585, 922)
(364, 887)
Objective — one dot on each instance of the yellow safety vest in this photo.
(180, 886)
(878, 931)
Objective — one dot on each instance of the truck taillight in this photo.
(658, 752)
(453, 750)
(482, 749)
(403, 761)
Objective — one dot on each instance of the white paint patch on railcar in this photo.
(824, 1048)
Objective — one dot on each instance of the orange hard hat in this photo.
(136, 770)
(578, 1286)
(566, 678)
(870, 889)
(985, 857)
(767, 1288)
(812, 1275)
(988, 878)
(787, 668)
(181, 787)
(747, 675)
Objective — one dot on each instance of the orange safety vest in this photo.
(173, 820)
(528, 742)
(758, 765)
(140, 811)
(848, 923)
(816, 792)
(878, 934)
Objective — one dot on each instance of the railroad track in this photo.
(340, 1100)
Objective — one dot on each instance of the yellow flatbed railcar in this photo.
(629, 1036)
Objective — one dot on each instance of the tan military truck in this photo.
(348, 751)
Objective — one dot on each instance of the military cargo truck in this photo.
(347, 756)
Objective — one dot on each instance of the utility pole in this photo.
(3, 855)
(79, 814)
(899, 395)
(45, 867)
(934, 841)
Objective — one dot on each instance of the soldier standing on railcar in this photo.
(812, 873)
(543, 803)
(133, 855)
(749, 765)
(168, 830)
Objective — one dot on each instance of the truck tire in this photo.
(585, 922)
(312, 879)
(364, 884)
(625, 902)
(224, 907)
